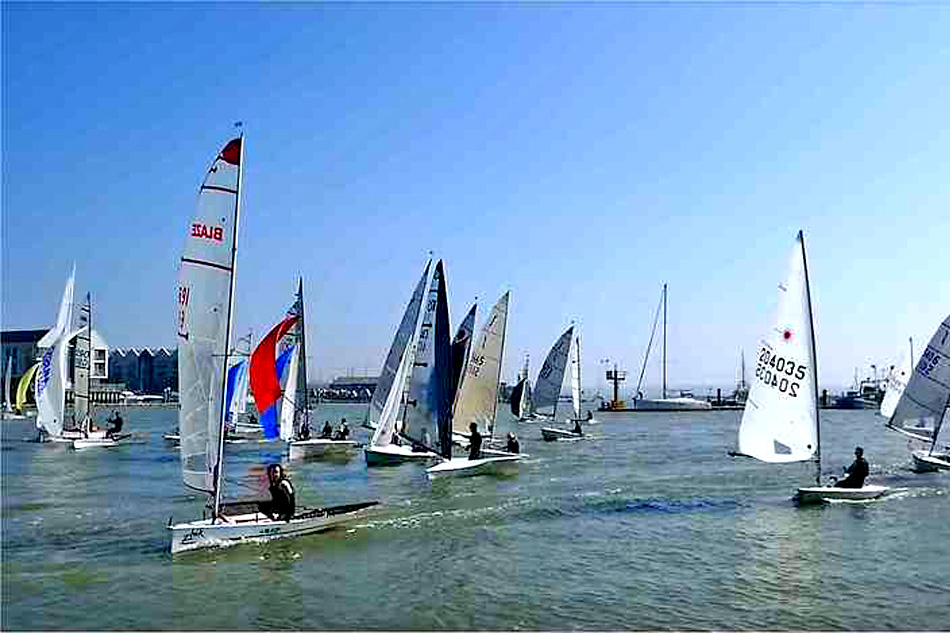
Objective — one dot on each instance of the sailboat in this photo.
(923, 402)
(547, 388)
(549, 433)
(8, 412)
(780, 422)
(521, 398)
(23, 387)
(664, 403)
(82, 403)
(477, 401)
(205, 307)
(390, 396)
(894, 386)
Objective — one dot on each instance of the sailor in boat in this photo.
(305, 430)
(343, 432)
(577, 428)
(475, 445)
(856, 472)
(327, 431)
(590, 416)
(115, 425)
(512, 446)
(282, 504)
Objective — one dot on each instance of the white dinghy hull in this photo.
(672, 404)
(256, 527)
(462, 467)
(307, 449)
(820, 494)
(925, 462)
(552, 435)
(392, 455)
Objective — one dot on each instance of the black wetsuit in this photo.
(116, 427)
(475, 448)
(856, 474)
(327, 431)
(282, 505)
(512, 446)
(577, 428)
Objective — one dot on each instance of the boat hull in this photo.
(393, 455)
(256, 527)
(925, 462)
(313, 449)
(552, 435)
(672, 404)
(819, 494)
(462, 467)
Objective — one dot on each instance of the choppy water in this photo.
(648, 524)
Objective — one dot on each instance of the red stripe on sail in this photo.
(232, 152)
(264, 382)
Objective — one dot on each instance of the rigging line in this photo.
(646, 356)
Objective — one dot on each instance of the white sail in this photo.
(405, 334)
(477, 397)
(64, 321)
(780, 420)
(547, 388)
(7, 388)
(204, 305)
(576, 377)
(51, 387)
(288, 401)
(897, 379)
(386, 422)
(927, 394)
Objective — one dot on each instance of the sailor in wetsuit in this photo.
(475, 442)
(512, 446)
(327, 431)
(856, 472)
(577, 428)
(282, 504)
(115, 425)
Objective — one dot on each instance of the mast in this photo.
(911, 341)
(580, 383)
(302, 365)
(88, 422)
(814, 363)
(664, 341)
(501, 359)
(219, 464)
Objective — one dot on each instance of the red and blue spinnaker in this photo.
(266, 372)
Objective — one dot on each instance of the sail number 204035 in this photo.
(779, 373)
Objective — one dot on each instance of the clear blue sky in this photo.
(578, 155)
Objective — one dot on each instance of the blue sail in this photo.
(234, 375)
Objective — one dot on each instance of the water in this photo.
(647, 524)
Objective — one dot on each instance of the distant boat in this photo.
(922, 405)
(8, 412)
(550, 433)
(91, 437)
(780, 422)
(389, 398)
(685, 402)
(547, 388)
(477, 401)
(27, 382)
(205, 306)
(521, 399)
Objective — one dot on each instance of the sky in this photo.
(579, 155)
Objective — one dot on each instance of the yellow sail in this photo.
(24, 385)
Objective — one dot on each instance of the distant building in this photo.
(350, 389)
(145, 370)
